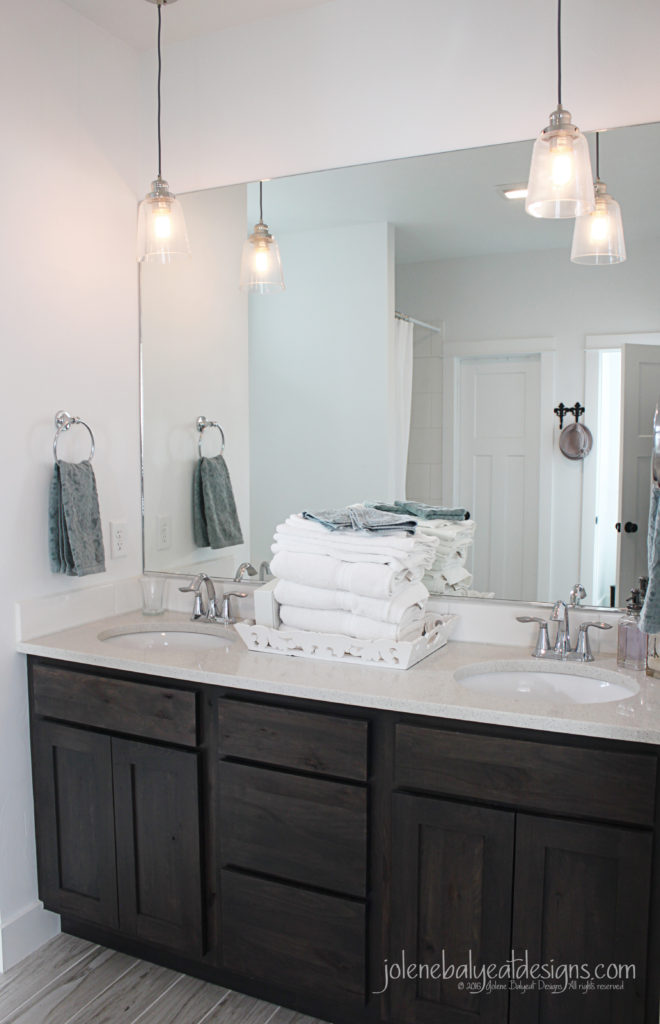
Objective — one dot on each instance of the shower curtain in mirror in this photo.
(403, 375)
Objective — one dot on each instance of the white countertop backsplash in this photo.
(429, 688)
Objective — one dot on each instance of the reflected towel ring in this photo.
(202, 423)
(64, 422)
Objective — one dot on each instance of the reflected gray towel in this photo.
(422, 511)
(215, 519)
(650, 618)
(75, 537)
(363, 518)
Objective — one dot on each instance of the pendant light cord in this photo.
(160, 68)
(597, 156)
(261, 202)
(559, 53)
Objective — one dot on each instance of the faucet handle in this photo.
(225, 615)
(195, 584)
(583, 649)
(543, 639)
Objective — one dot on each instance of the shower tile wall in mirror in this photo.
(310, 385)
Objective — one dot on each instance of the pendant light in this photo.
(560, 178)
(261, 266)
(598, 236)
(162, 235)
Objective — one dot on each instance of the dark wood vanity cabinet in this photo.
(118, 819)
(290, 849)
(485, 883)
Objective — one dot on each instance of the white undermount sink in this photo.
(549, 682)
(148, 636)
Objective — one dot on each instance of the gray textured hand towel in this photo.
(75, 537)
(366, 519)
(215, 519)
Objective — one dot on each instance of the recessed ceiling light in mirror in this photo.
(513, 191)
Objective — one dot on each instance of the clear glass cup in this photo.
(153, 593)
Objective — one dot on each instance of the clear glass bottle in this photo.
(632, 643)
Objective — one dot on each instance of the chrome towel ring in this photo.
(202, 424)
(64, 422)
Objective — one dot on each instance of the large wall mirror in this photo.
(307, 383)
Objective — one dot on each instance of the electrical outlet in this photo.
(164, 534)
(118, 539)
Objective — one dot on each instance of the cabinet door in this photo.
(581, 898)
(158, 845)
(74, 821)
(451, 892)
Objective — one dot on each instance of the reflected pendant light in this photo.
(560, 178)
(162, 235)
(598, 236)
(261, 266)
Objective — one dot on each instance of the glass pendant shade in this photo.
(560, 178)
(598, 236)
(261, 266)
(162, 235)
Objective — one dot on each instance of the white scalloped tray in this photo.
(301, 643)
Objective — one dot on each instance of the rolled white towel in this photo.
(368, 579)
(322, 599)
(317, 621)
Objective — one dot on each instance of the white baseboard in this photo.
(25, 932)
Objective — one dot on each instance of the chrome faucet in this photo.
(577, 594)
(562, 650)
(244, 567)
(563, 639)
(209, 611)
(264, 571)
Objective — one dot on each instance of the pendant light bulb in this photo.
(162, 235)
(598, 236)
(261, 265)
(560, 178)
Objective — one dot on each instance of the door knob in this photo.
(631, 527)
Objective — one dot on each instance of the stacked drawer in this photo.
(293, 847)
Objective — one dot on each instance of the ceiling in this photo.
(447, 206)
(134, 20)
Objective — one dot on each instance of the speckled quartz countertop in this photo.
(428, 688)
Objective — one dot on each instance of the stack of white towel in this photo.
(448, 574)
(355, 583)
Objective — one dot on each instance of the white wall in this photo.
(195, 357)
(539, 295)
(68, 322)
(353, 81)
(322, 446)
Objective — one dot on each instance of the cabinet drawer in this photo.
(303, 740)
(298, 940)
(311, 831)
(559, 779)
(137, 709)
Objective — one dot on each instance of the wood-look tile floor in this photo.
(70, 981)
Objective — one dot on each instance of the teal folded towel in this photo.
(422, 511)
(650, 618)
(75, 537)
(215, 519)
